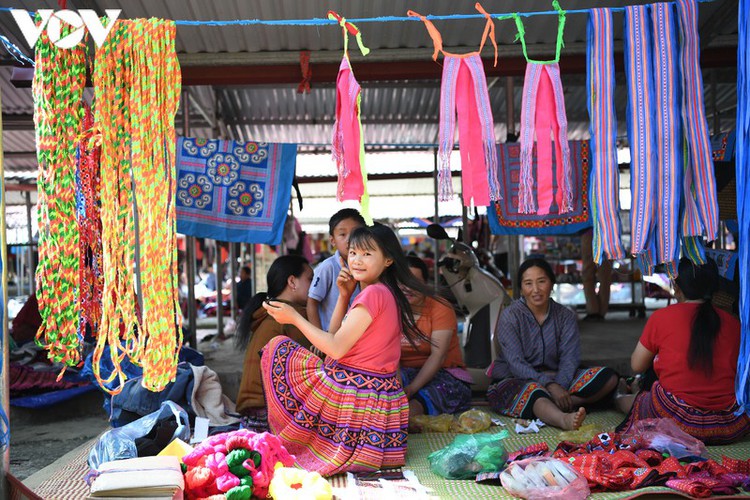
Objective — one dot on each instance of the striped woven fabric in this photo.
(655, 134)
(640, 118)
(605, 174)
(699, 167)
(463, 91)
(742, 167)
(331, 418)
(543, 112)
(668, 135)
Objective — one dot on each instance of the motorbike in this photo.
(482, 297)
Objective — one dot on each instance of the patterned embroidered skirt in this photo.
(515, 397)
(333, 418)
(443, 394)
(713, 427)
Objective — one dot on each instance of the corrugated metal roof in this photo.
(191, 39)
(540, 30)
(15, 100)
(392, 112)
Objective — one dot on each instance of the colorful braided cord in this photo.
(137, 83)
(59, 80)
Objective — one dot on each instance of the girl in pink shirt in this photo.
(348, 413)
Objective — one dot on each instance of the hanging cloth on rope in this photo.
(654, 133)
(605, 174)
(701, 209)
(641, 125)
(463, 92)
(742, 167)
(543, 115)
(348, 145)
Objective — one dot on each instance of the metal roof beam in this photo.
(328, 120)
(424, 69)
(213, 72)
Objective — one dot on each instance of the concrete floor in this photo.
(39, 437)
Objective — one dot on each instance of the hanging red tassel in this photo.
(304, 62)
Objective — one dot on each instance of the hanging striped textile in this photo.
(641, 129)
(544, 111)
(137, 85)
(605, 173)
(463, 92)
(700, 168)
(59, 79)
(742, 166)
(655, 134)
(348, 144)
(668, 135)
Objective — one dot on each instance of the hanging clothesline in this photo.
(23, 59)
(381, 19)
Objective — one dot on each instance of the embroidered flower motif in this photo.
(255, 152)
(194, 191)
(192, 146)
(245, 200)
(223, 169)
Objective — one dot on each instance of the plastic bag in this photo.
(664, 435)
(435, 423)
(470, 454)
(472, 421)
(119, 443)
(538, 477)
(581, 435)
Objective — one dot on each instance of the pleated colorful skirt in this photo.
(713, 427)
(443, 394)
(333, 418)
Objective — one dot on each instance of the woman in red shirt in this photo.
(693, 348)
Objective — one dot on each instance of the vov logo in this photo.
(52, 21)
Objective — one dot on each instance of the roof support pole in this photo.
(515, 243)
(189, 244)
(436, 219)
(30, 234)
(4, 350)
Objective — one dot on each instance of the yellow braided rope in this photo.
(59, 79)
(137, 83)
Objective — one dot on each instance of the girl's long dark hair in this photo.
(700, 282)
(276, 281)
(398, 273)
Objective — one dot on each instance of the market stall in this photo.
(114, 187)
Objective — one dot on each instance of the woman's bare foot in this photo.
(573, 421)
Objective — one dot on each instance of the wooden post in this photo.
(189, 245)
